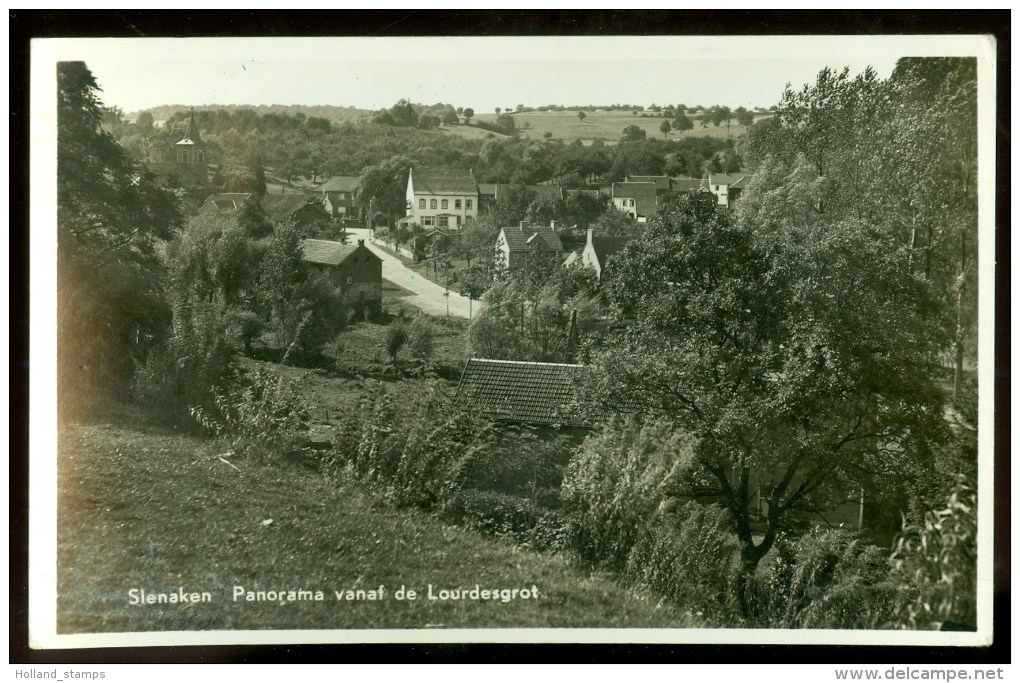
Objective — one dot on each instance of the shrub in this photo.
(194, 362)
(499, 514)
(262, 414)
(689, 557)
(935, 565)
(421, 338)
(826, 578)
(615, 483)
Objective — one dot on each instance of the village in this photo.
(720, 377)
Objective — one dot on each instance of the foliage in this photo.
(111, 219)
(633, 134)
(935, 565)
(826, 578)
(803, 357)
(396, 338)
(187, 369)
(420, 338)
(616, 484)
(261, 413)
(688, 556)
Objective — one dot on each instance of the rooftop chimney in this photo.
(552, 225)
(590, 234)
(521, 226)
(361, 243)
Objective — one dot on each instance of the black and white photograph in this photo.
(522, 339)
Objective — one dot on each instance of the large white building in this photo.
(441, 199)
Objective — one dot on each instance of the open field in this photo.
(608, 125)
(146, 509)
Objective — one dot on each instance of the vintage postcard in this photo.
(512, 340)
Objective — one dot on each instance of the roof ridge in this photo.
(523, 362)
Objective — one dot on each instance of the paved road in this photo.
(429, 296)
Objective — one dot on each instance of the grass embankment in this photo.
(142, 508)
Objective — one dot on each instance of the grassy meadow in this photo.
(145, 508)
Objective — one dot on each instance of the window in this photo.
(432, 203)
(456, 203)
(421, 203)
(468, 205)
(426, 220)
(446, 203)
(444, 221)
(185, 156)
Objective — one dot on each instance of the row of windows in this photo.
(439, 222)
(469, 203)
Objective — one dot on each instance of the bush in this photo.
(615, 484)
(826, 578)
(689, 557)
(493, 513)
(263, 415)
(935, 565)
(186, 371)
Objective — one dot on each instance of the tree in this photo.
(506, 122)
(581, 116)
(744, 117)
(112, 217)
(396, 338)
(468, 115)
(633, 133)
(665, 128)
(800, 363)
(682, 123)
(450, 118)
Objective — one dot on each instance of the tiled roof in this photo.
(523, 239)
(547, 191)
(607, 246)
(429, 181)
(326, 253)
(688, 184)
(537, 393)
(340, 183)
(487, 189)
(226, 201)
(280, 207)
(661, 181)
(642, 193)
(733, 180)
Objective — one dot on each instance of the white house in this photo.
(441, 198)
(726, 187)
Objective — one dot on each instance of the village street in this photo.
(429, 297)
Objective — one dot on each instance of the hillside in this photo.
(605, 125)
(332, 113)
(148, 509)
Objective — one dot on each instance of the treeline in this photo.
(332, 113)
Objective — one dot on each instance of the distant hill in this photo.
(330, 112)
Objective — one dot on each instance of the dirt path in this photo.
(429, 296)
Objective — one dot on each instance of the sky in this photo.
(482, 73)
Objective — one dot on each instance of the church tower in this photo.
(190, 149)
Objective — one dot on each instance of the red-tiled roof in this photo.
(429, 181)
(537, 393)
(340, 183)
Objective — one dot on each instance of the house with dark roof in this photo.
(726, 187)
(340, 196)
(598, 250)
(296, 207)
(353, 268)
(683, 185)
(637, 200)
(661, 181)
(519, 391)
(443, 199)
(522, 246)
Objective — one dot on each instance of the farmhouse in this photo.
(598, 250)
(681, 185)
(353, 268)
(297, 208)
(443, 199)
(339, 196)
(637, 200)
(726, 188)
(523, 246)
(519, 391)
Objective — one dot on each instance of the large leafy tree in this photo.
(111, 217)
(799, 363)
